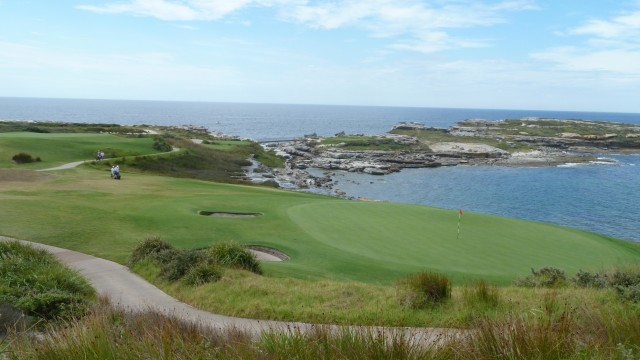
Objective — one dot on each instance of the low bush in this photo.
(33, 282)
(424, 289)
(203, 273)
(24, 158)
(233, 255)
(175, 264)
(547, 277)
(161, 144)
(53, 305)
(625, 282)
(151, 246)
(590, 280)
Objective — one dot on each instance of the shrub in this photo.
(591, 280)
(53, 305)
(622, 278)
(174, 264)
(423, 290)
(24, 158)
(548, 277)
(482, 293)
(33, 282)
(149, 247)
(233, 255)
(203, 273)
(161, 144)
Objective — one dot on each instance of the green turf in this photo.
(83, 209)
(57, 149)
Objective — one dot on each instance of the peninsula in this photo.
(510, 142)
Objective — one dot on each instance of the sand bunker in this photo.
(264, 253)
(229, 214)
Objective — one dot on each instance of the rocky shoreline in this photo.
(470, 142)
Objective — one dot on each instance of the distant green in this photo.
(57, 149)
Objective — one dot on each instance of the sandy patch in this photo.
(264, 253)
(465, 148)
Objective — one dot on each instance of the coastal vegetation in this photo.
(351, 262)
(33, 286)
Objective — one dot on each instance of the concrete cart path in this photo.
(129, 291)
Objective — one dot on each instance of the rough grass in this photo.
(364, 143)
(242, 294)
(430, 136)
(33, 282)
(108, 333)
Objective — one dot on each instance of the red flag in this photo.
(460, 211)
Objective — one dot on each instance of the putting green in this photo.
(415, 237)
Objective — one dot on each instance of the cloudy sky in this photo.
(508, 54)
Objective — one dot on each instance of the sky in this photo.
(581, 55)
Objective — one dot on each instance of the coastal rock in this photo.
(469, 150)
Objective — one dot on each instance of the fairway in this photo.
(84, 210)
(57, 149)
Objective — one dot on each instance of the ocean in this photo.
(597, 197)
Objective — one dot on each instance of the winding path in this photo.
(131, 292)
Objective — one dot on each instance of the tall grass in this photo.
(109, 333)
(232, 254)
(424, 289)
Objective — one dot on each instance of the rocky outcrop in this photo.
(559, 148)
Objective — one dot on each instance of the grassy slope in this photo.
(83, 209)
(57, 149)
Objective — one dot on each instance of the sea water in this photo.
(602, 197)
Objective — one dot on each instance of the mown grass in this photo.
(370, 242)
(60, 148)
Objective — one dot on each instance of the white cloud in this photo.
(422, 26)
(172, 10)
(624, 26)
(612, 46)
(576, 59)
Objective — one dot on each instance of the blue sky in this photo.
(512, 54)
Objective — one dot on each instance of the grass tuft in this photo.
(481, 294)
(424, 289)
(234, 255)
